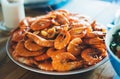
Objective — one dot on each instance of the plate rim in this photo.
(51, 72)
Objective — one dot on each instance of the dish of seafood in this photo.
(58, 42)
(114, 45)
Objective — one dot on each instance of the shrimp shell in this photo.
(32, 46)
(93, 55)
(77, 32)
(95, 34)
(46, 65)
(27, 61)
(73, 46)
(52, 51)
(62, 40)
(95, 40)
(41, 57)
(39, 40)
(40, 24)
(61, 62)
(22, 51)
(17, 35)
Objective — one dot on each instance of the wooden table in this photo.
(9, 70)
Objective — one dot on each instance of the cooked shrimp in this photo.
(17, 35)
(64, 12)
(54, 22)
(40, 41)
(58, 41)
(27, 21)
(46, 65)
(93, 55)
(95, 40)
(51, 32)
(74, 46)
(27, 61)
(102, 45)
(77, 32)
(52, 51)
(22, 51)
(32, 46)
(65, 62)
(61, 18)
(96, 27)
(40, 24)
(62, 40)
(41, 57)
(95, 34)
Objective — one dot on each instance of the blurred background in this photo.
(101, 10)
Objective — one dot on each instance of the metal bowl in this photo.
(53, 72)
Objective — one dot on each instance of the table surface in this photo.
(101, 11)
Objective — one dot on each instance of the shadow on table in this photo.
(32, 75)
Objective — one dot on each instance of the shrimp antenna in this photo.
(50, 8)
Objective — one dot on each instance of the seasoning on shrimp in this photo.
(39, 40)
(32, 46)
(92, 56)
(95, 40)
(47, 65)
(52, 51)
(40, 24)
(58, 41)
(22, 51)
(74, 47)
(62, 40)
(41, 57)
(65, 62)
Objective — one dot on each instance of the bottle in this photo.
(13, 12)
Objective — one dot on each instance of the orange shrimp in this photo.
(61, 19)
(102, 45)
(27, 61)
(74, 46)
(95, 34)
(51, 32)
(39, 40)
(32, 46)
(77, 32)
(40, 23)
(64, 12)
(96, 27)
(46, 65)
(93, 55)
(52, 51)
(17, 35)
(22, 51)
(95, 40)
(62, 40)
(41, 57)
(27, 21)
(61, 62)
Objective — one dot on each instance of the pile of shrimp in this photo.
(58, 41)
